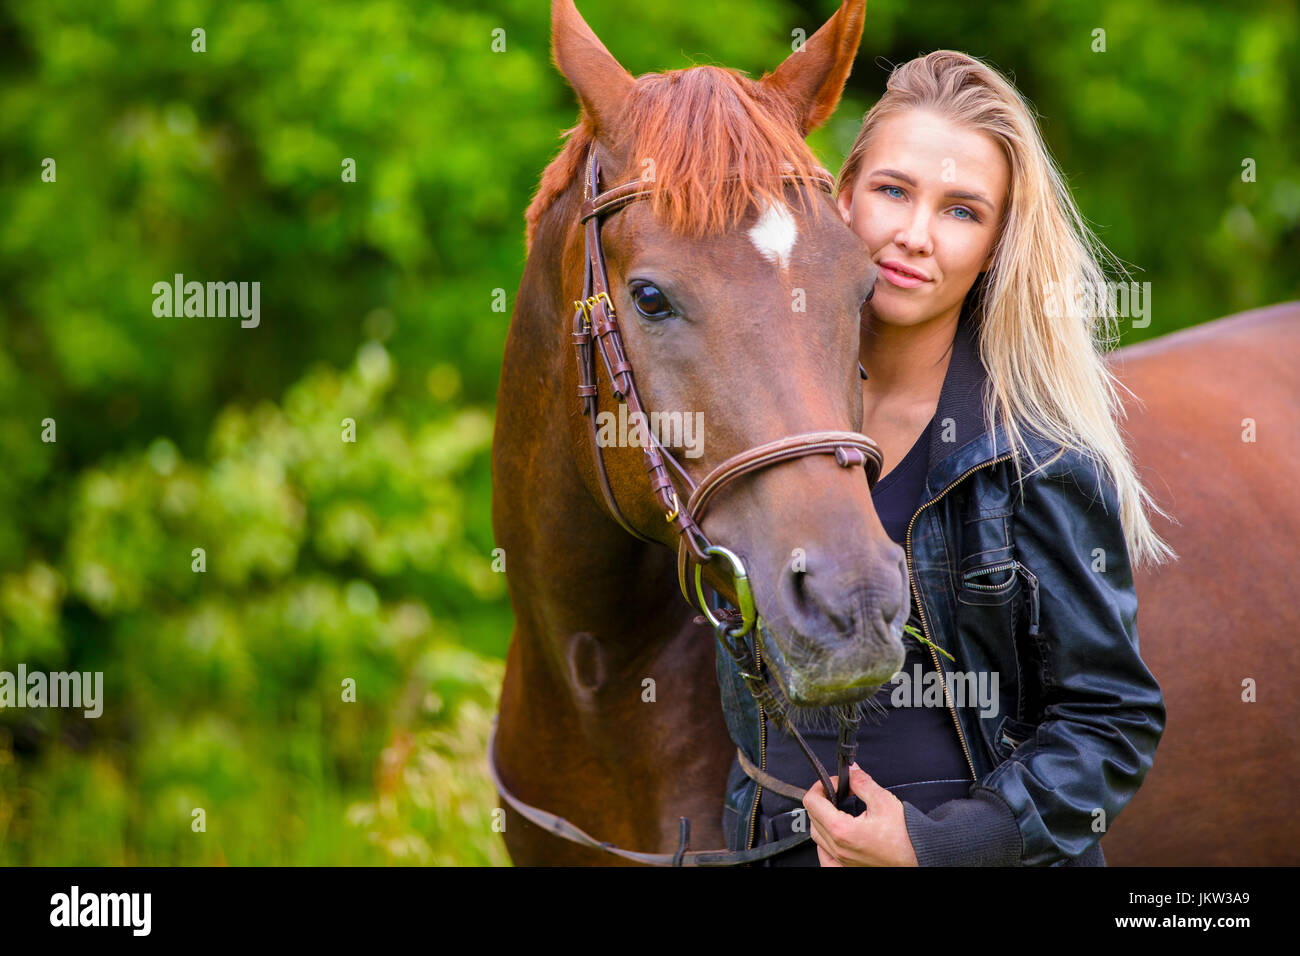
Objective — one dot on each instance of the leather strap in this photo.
(765, 779)
(601, 325)
(849, 448)
(681, 857)
(773, 708)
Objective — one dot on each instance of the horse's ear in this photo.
(599, 80)
(812, 79)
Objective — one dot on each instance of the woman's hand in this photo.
(877, 837)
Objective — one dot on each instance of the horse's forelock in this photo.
(686, 132)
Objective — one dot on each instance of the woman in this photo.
(979, 359)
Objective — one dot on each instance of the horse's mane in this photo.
(688, 130)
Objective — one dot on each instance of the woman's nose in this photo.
(914, 236)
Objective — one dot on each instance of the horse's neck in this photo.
(610, 693)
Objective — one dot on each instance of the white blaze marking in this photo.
(774, 234)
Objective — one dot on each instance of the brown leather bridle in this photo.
(595, 323)
(594, 320)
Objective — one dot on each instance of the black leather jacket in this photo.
(1039, 590)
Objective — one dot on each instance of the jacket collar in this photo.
(959, 416)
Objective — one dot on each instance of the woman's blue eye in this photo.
(967, 216)
(650, 302)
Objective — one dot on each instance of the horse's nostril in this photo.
(820, 603)
(797, 578)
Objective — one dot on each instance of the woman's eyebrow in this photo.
(953, 194)
(894, 174)
(974, 197)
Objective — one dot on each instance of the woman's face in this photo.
(928, 201)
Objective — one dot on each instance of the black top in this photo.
(911, 751)
(898, 494)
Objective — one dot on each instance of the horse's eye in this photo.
(650, 302)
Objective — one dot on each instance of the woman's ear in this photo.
(845, 203)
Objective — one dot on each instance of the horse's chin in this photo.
(804, 719)
(813, 702)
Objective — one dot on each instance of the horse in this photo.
(610, 713)
(1213, 415)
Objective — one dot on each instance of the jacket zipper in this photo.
(762, 745)
(920, 607)
(1005, 566)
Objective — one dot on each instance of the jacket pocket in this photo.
(997, 582)
(1011, 733)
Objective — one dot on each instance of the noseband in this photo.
(595, 329)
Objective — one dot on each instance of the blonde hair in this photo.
(1046, 363)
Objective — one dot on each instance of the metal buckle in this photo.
(592, 300)
(677, 507)
(744, 595)
(580, 305)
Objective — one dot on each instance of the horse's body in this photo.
(1225, 775)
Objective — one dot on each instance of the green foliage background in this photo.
(372, 561)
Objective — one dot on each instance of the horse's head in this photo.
(739, 304)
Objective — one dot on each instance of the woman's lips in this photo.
(901, 279)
